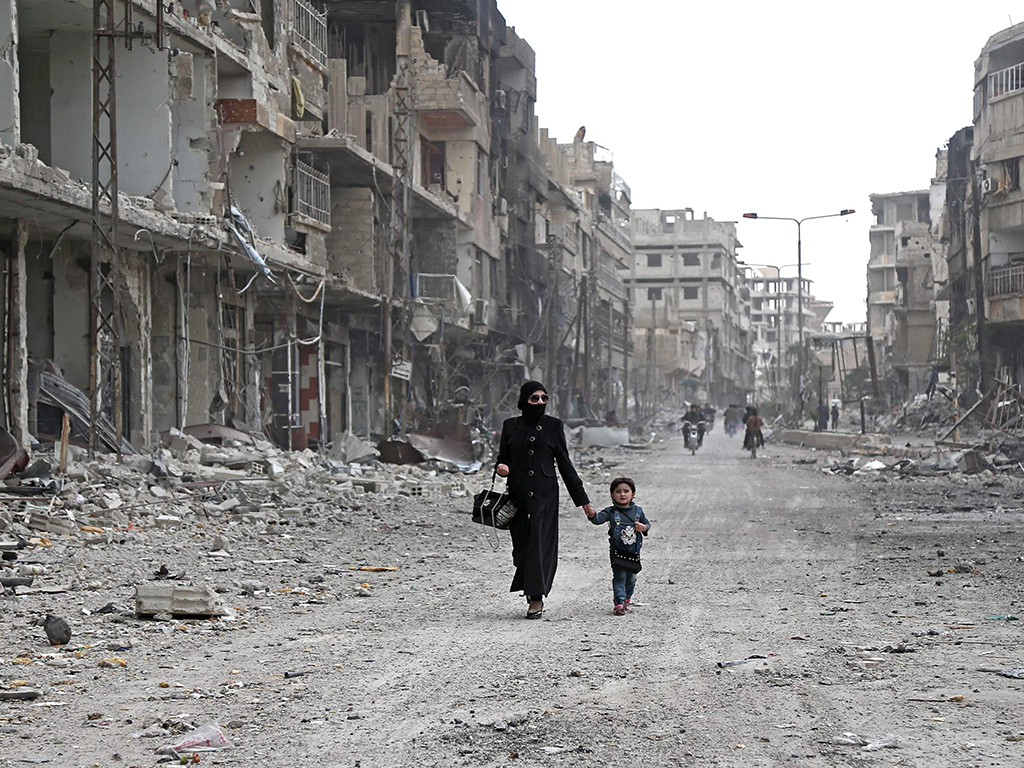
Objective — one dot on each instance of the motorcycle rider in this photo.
(696, 417)
(753, 433)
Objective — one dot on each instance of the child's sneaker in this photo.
(619, 610)
(625, 603)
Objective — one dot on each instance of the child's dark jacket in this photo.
(607, 515)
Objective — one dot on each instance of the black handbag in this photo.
(494, 509)
(627, 561)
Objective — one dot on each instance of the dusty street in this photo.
(826, 577)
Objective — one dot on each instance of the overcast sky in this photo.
(787, 109)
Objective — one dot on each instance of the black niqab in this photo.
(531, 411)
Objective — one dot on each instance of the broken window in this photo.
(653, 259)
(691, 293)
(904, 211)
(691, 259)
(654, 294)
(668, 224)
(716, 261)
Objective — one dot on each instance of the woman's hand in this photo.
(503, 470)
(588, 510)
(640, 527)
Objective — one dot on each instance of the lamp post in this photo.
(778, 318)
(800, 282)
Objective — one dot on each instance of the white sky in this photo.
(789, 108)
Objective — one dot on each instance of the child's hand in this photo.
(588, 510)
(640, 527)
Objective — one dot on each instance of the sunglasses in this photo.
(537, 399)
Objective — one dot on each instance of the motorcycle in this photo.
(730, 428)
(691, 437)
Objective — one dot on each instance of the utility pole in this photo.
(401, 213)
(105, 335)
(625, 358)
(651, 357)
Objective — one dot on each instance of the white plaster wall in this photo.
(71, 313)
(257, 170)
(71, 103)
(143, 113)
(35, 97)
(189, 141)
(143, 121)
(10, 106)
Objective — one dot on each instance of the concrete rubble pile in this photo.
(226, 489)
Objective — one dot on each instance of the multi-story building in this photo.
(997, 153)
(902, 288)
(775, 331)
(685, 275)
(323, 219)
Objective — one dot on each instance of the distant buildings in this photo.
(691, 294)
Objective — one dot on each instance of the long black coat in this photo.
(531, 452)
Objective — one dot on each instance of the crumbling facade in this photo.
(691, 294)
(996, 157)
(775, 331)
(906, 272)
(333, 218)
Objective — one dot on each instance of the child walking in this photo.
(627, 525)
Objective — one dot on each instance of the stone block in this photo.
(59, 526)
(176, 600)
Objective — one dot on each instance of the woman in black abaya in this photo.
(531, 446)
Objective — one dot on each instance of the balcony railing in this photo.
(609, 279)
(312, 193)
(1006, 81)
(309, 31)
(1003, 281)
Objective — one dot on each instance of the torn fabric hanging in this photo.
(237, 223)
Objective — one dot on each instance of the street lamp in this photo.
(800, 281)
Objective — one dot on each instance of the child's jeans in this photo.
(623, 583)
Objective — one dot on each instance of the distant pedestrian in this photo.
(822, 417)
(532, 445)
(835, 416)
(753, 436)
(933, 382)
(627, 525)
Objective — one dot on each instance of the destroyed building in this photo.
(905, 318)
(685, 276)
(775, 330)
(996, 156)
(300, 219)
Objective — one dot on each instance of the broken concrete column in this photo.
(10, 79)
(176, 600)
(19, 337)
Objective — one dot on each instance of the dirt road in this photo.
(825, 579)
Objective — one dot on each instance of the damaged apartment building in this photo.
(693, 308)
(299, 219)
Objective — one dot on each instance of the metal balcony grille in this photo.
(1006, 80)
(309, 30)
(1004, 281)
(312, 193)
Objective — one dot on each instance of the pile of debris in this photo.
(206, 476)
(989, 460)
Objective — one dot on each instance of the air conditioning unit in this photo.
(481, 311)
(422, 21)
(989, 186)
(502, 206)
